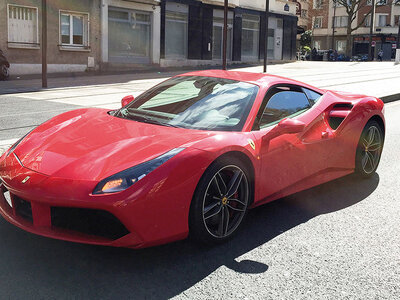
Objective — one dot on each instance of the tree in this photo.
(305, 40)
(352, 9)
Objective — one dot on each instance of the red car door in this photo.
(291, 159)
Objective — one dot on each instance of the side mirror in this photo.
(285, 126)
(126, 100)
(290, 126)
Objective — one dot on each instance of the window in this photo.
(340, 21)
(74, 29)
(195, 102)
(382, 20)
(317, 44)
(250, 36)
(317, 3)
(217, 34)
(283, 104)
(176, 30)
(317, 22)
(336, 3)
(311, 95)
(341, 46)
(367, 22)
(396, 20)
(378, 2)
(22, 26)
(129, 35)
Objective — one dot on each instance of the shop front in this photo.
(385, 42)
(130, 32)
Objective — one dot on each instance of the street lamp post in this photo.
(266, 35)
(44, 44)
(371, 30)
(398, 35)
(397, 58)
(225, 35)
(333, 24)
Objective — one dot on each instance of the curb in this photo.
(390, 98)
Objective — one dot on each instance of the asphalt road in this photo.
(340, 240)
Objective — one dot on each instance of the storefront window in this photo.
(129, 34)
(218, 29)
(341, 46)
(250, 37)
(271, 43)
(176, 32)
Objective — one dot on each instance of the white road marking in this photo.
(7, 142)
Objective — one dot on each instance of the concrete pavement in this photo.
(372, 78)
(21, 110)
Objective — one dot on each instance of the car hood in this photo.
(90, 144)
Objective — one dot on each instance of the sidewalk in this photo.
(106, 91)
(380, 79)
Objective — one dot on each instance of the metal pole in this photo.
(266, 35)
(398, 35)
(333, 25)
(225, 37)
(44, 44)
(371, 30)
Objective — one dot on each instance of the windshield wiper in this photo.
(125, 113)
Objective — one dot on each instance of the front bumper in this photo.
(82, 225)
(153, 211)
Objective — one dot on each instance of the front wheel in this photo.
(369, 149)
(220, 202)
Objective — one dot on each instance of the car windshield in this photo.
(194, 102)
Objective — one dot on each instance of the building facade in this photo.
(73, 35)
(329, 27)
(303, 13)
(101, 34)
(192, 31)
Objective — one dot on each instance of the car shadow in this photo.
(56, 269)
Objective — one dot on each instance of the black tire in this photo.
(369, 149)
(4, 72)
(228, 180)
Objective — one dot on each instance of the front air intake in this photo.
(88, 221)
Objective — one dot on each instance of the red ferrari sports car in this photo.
(189, 156)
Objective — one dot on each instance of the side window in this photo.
(283, 104)
(312, 96)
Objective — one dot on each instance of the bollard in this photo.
(397, 60)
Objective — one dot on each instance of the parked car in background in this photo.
(359, 57)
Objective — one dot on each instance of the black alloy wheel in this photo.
(220, 202)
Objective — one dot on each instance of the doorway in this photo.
(218, 35)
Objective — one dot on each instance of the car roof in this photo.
(260, 79)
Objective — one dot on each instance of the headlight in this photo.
(123, 180)
(17, 143)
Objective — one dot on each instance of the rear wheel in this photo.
(220, 202)
(369, 149)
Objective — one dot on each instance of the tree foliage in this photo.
(305, 39)
(352, 8)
